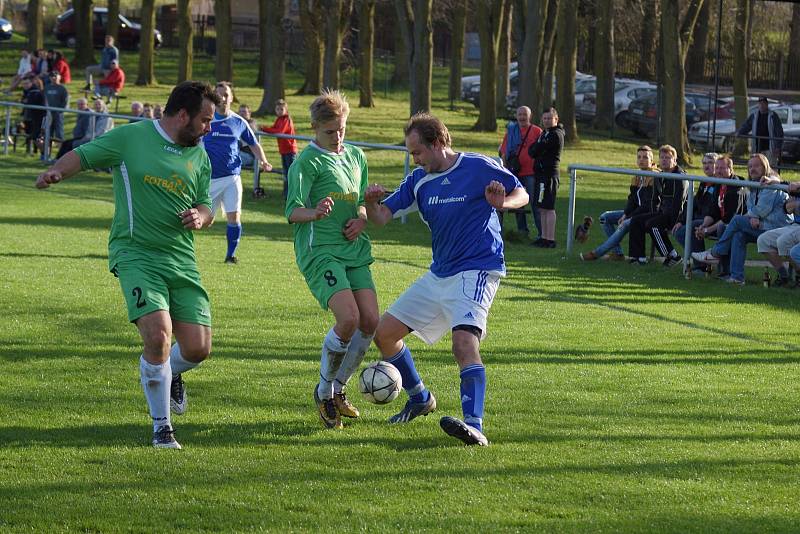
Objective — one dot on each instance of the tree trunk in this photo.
(503, 61)
(367, 51)
(270, 18)
(547, 66)
(740, 61)
(530, 80)
(84, 38)
(185, 40)
(337, 18)
(567, 54)
(223, 68)
(400, 75)
(112, 28)
(604, 65)
(416, 26)
(457, 52)
(696, 60)
(649, 38)
(35, 25)
(311, 22)
(146, 50)
(794, 37)
(490, 15)
(674, 37)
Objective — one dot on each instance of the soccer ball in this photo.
(380, 382)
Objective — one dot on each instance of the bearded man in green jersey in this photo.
(325, 202)
(160, 180)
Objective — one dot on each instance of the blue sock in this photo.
(473, 392)
(412, 383)
(234, 235)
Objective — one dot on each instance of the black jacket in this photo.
(733, 202)
(673, 195)
(546, 152)
(644, 197)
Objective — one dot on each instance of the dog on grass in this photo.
(582, 231)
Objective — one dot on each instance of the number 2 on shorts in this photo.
(140, 302)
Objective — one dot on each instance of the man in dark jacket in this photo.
(546, 153)
(673, 196)
(765, 131)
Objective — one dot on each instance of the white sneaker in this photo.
(705, 257)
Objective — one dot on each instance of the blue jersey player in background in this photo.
(457, 195)
(222, 145)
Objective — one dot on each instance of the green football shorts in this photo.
(149, 287)
(328, 275)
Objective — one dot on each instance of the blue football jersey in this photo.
(465, 229)
(222, 144)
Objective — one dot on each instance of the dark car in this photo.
(128, 36)
(643, 114)
(790, 152)
(6, 30)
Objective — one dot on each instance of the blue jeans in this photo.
(696, 244)
(609, 220)
(527, 181)
(286, 162)
(734, 242)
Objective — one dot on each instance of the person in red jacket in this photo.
(286, 147)
(60, 64)
(113, 83)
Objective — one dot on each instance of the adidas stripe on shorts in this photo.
(432, 306)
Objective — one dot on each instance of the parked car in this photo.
(471, 85)
(128, 37)
(791, 148)
(724, 138)
(643, 114)
(625, 92)
(512, 98)
(6, 30)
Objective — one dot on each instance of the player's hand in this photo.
(50, 176)
(265, 166)
(755, 223)
(353, 228)
(495, 194)
(324, 208)
(191, 219)
(374, 193)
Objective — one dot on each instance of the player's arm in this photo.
(377, 213)
(67, 165)
(302, 215)
(197, 217)
(258, 151)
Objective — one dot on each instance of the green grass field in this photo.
(620, 399)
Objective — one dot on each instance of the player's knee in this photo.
(466, 345)
(346, 323)
(196, 353)
(157, 341)
(368, 323)
(385, 340)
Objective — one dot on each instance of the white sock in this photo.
(359, 346)
(333, 352)
(156, 380)
(177, 363)
(673, 253)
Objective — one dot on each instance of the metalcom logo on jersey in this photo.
(432, 201)
(174, 184)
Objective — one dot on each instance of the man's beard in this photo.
(187, 138)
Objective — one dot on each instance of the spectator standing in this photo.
(766, 132)
(519, 137)
(32, 94)
(113, 83)
(643, 198)
(56, 96)
(109, 54)
(286, 147)
(60, 64)
(765, 211)
(546, 152)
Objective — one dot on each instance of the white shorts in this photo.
(226, 191)
(432, 306)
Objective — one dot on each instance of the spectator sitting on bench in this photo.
(778, 243)
(112, 84)
(23, 70)
(158, 111)
(643, 198)
(765, 211)
(80, 130)
(147, 111)
(60, 64)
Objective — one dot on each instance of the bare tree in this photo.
(366, 28)
(146, 44)
(740, 60)
(605, 65)
(457, 50)
(566, 64)
(337, 18)
(35, 25)
(504, 61)
(311, 21)
(490, 15)
(84, 36)
(223, 67)
(649, 27)
(696, 60)
(112, 27)
(794, 36)
(532, 57)
(400, 74)
(675, 34)
(271, 34)
(416, 27)
(185, 40)
(548, 59)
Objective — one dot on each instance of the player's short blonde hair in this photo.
(329, 105)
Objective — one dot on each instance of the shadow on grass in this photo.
(65, 256)
(95, 223)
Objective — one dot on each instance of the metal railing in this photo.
(687, 245)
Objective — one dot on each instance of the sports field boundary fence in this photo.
(687, 245)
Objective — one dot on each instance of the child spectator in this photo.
(286, 147)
